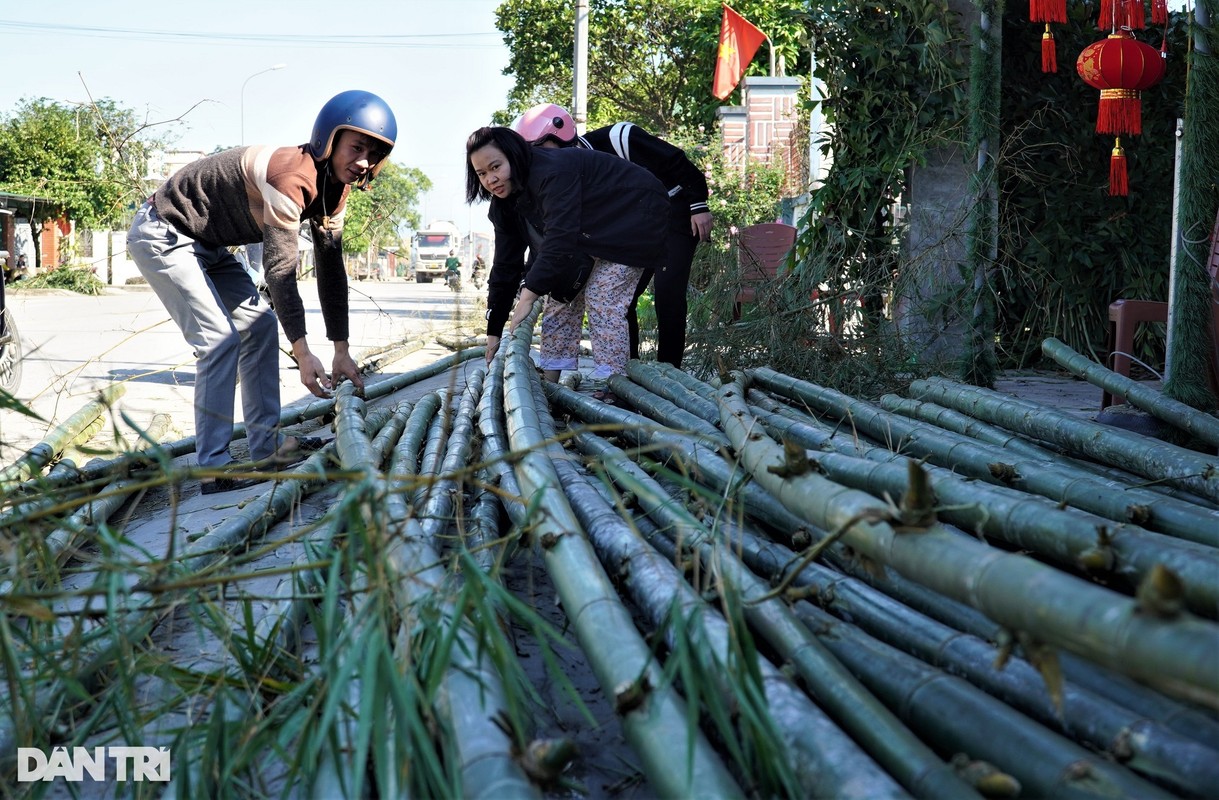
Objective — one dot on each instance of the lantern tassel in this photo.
(1159, 12)
(1048, 10)
(1106, 19)
(1049, 54)
(1135, 16)
(1120, 111)
(1119, 183)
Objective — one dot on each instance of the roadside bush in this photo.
(74, 279)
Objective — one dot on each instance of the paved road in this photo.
(77, 344)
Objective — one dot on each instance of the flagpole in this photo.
(579, 89)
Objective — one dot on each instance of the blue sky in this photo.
(438, 63)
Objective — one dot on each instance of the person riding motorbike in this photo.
(452, 271)
(476, 274)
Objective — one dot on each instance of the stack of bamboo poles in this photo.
(785, 591)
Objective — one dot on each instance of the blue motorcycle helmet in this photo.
(354, 110)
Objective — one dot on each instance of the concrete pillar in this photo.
(733, 125)
(122, 268)
(770, 106)
(928, 307)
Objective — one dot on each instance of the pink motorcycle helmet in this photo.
(546, 121)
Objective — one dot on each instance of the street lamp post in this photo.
(243, 83)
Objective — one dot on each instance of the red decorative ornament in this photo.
(1048, 11)
(1121, 67)
(1115, 14)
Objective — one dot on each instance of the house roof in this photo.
(22, 203)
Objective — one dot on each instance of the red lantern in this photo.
(1121, 67)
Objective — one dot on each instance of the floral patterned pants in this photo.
(606, 296)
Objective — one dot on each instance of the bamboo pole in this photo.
(471, 691)
(1161, 406)
(145, 604)
(1074, 539)
(677, 760)
(1181, 654)
(41, 454)
(666, 384)
(1148, 457)
(1049, 478)
(955, 421)
(59, 544)
(1138, 743)
(661, 410)
(854, 708)
(815, 747)
(441, 507)
(958, 717)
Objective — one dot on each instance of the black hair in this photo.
(516, 150)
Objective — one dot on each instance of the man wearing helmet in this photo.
(180, 242)
(690, 221)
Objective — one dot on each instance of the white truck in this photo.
(431, 247)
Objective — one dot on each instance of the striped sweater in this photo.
(263, 194)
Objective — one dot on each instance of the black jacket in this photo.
(683, 180)
(584, 204)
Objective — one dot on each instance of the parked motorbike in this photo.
(10, 348)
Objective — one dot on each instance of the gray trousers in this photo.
(233, 331)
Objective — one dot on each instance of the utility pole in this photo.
(579, 89)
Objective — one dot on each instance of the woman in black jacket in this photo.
(590, 223)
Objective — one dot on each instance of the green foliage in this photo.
(979, 364)
(375, 217)
(1067, 249)
(88, 161)
(74, 279)
(902, 63)
(737, 197)
(1199, 201)
(649, 63)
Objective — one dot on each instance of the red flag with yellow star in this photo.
(739, 41)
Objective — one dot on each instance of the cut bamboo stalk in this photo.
(960, 718)
(1065, 536)
(1140, 744)
(1143, 455)
(654, 380)
(1181, 654)
(662, 410)
(1115, 687)
(1048, 478)
(817, 750)
(439, 511)
(68, 431)
(656, 723)
(60, 543)
(1159, 405)
(965, 425)
(471, 690)
(492, 426)
(146, 604)
(868, 722)
(1059, 480)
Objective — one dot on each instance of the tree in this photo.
(649, 63)
(374, 217)
(87, 161)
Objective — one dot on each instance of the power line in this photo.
(405, 40)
